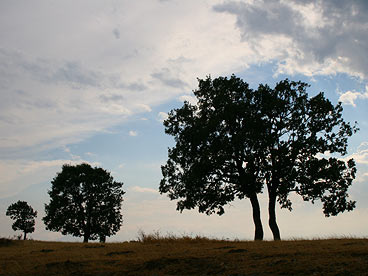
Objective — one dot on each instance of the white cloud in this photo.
(96, 86)
(144, 107)
(90, 154)
(139, 189)
(16, 175)
(162, 116)
(361, 155)
(191, 99)
(362, 177)
(56, 97)
(73, 156)
(133, 133)
(350, 97)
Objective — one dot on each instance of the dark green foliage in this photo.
(302, 139)
(236, 140)
(218, 149)
(213, 142)
(86, 202)
(24, 217)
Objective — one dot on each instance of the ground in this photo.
(185, 256)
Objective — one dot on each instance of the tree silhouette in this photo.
(217, 152)
(237, 140)
(86, 202)
(304, 138)
(24, 217)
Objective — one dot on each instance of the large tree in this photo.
(84, 202)
(216, 156)
(304, 140)
(236, 140)
(24, 217)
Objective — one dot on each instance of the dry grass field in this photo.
(156, 255)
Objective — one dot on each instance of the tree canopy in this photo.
(24, 217)
(84, 202)
(237, 140)
(304, 139)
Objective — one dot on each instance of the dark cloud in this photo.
(8, 75)
(133, 86)
(166, 78)
(75, 74)
(136, 86)
(180, 60)
(47, 71)
(342, 36)
(268, 18)
(116, 33)
(23, 100)
(112, 98)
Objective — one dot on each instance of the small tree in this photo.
(85, 202)
(24, 217)
(237, 140)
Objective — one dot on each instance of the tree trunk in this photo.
(25, 235)
(87, 229)
(272, 216)
(85, 237)
(258, 233)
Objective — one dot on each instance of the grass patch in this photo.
(157, 254)
(158, 237)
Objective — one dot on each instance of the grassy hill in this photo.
(154, 255)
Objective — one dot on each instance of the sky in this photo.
(92, 81)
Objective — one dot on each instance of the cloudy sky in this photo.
(91, 81)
